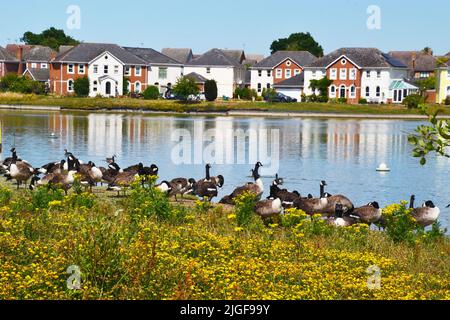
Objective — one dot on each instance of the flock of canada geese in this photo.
(337, 209)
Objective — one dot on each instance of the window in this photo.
(268, 86)
(367, 92)
(33, 65)
(94, 87)
(208, 70)
(352, 92)
(287, 73)
(259, 73)
(342, 92)
(333, 92)
(424, 74)
(297, 72)
(116, 69)
(44, 66)
(70, 68)
(127, 70)
(344, 62)
(313, 74)
(333, 74)
(259, 87)
(367, 74)
(162, 73)
(279, 74)
(137, 87)
(288, 63)
(269, 73)
(352, 75)
(378, 74)
(105, 69)
(138, 71)
(70, 85)
(319, 74)
(95, 69)
(378, 91)
(343, 74)
(81, 68)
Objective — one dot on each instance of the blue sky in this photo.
(249, 24)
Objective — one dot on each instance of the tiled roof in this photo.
(363, 57)
(39, 74)
(297, 81)
(302, 58)
(152, 56)
(39, 53)
(196, 77)
(215, 57)
(182, 55)
(238, 55)
(416, 60)
(6, 56)
(86, 52)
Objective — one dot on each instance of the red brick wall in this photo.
(284, 66)
(357, 83)
(59, 81)
(142, 78)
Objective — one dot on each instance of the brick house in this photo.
(280, 66)
(420, 64)
(8, 63)
(358, 73)
(105, 65)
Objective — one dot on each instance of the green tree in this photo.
(322, 85)
(426, 84)
(52, 37)
(211, 90)
(13, 83)
(125, 90)
(151, 93)
(298, 41)
(185, 87)
(81, 87)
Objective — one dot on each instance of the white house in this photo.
(216, 64)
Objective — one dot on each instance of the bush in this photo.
(185, 87)
(151, 93)
(362, 101)
(447, 101)
(81, 87)
(324, 99)
(342, 100)
(413, 101)
(44, 196)
(125, 90)
(5, 196)
(244, 93)
(14, 83)
(245, 204)
(210, 90)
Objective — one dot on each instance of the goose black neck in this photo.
(322, 191)
(208, 176)
(411, 203)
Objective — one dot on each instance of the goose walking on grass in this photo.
(425, 215)
(21, 171)
(368, 214)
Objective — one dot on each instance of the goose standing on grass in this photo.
(256, 187)
(332, 201)
(90, 175)
(52, 167)
(368, 214)
(341, 219)
(64, 180)
(7, 162)
(21, 171)
(313, 205)
(287, 198)
(123, 180)
(268, 208)
(205, 190)
(182, 186)
(425, 215)
(165, 187)
(110, 173)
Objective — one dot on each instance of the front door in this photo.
(108, 88)
(342, 92)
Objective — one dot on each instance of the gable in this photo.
(342, 62)
(286, 62)
(106, 56)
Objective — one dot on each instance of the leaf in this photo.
(423, 161)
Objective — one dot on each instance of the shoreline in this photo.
(230, 113)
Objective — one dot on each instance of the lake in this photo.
(345, 153)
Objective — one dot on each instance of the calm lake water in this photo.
(345, 153)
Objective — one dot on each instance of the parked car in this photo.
(280, 97)
(197, 97)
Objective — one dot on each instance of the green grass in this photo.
(120, 104)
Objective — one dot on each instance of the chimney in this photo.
(414, 57)
(20, 57)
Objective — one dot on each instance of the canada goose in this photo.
(7, 162)
(218, 180)
(21, 171)
(164, 187)
(368, 214)
(124, 179)
(268, 208)
(425, 215)
(287, 198)
(331, 201)
(89, 174)
(313, 205)
(110, 173)
(52, 167)
(340, 219)
(206, 190)
(182, 186)
(111, 160)
(256, 188)
(60, 179)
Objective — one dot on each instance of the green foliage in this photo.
(13, 83)
(125, 90)
(81, 200)
(151, 93)
(52, 37)
(322, 85)
(43, 196)
(185, 87)
(447, 101)
(298, 42)
(245, 93)
(5, 196)
(245, 203)
(426, 84)
(362, 101)
(441, 61)
(269, 94)
(210, 90)
(413, 101)
(342, 100)
(81, 87)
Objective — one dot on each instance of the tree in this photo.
(151, 93)
(296, 42)
(434, 138)
(52, 37)
(81, 87)
(210, 90)
(427, 50)
(185, 87)
(13, 83)
(426, 84)
(125, 84)
(322, 85)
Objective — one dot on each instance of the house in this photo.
(420, 64)
(292, 87)
(8, 63)
(278, 67)
(238, 55)
(361, 73)
(443, 82)
(163, 71)
(105, 65)
(198, 79)
(220, 66)
(182, 55)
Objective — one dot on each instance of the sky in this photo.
(237, 24)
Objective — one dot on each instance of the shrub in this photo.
(244, 205)
(342, 100)
(151, 93)
(125, 90)
(270, 94)
(447, 101)
(413, 101)
(362, 101)
(5, 196)
(185, 87)
(210, 90)
(244, 93)
(81, 87)
(14, 83)
(43, 196)
(323, 98)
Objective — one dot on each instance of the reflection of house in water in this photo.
(62, 126)
(104, 134)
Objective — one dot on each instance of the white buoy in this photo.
(383, 168)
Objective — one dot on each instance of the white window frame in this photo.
(378, 74)
(343, 86)
(95, 69)
(140, 87)
(297, 72)
(344, 61)
(269, 73)
(44, 65)
(279, 73)
(127, 70)
(259, 87)
(288, 73)
(116, 69)
(163, 77)
(333, 74)
(71, 67)
(137, 71)
(343, 74)
(33, 65)
(68, 85)
(368, 74)
(332, 93)
(288, 63)
(353, 73)
(95, 86)
(208, 70)
(378, 91)
(313, 74)
(367, 92)
(259, 73)
(81, 69)
(105, 69)
(352, 94)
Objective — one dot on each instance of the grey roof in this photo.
(182, 55)
(302, 58)
(297, 81)
(39, 74)
(215, 57)
(196, 77)
(256, 57)
(363, 57)
(39, 53)
(416, 60)
(238, 55)
(86, 52)
(152, 56)
(6, 56)
(63, 49)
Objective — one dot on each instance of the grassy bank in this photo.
(218, 106)
(144, 247)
